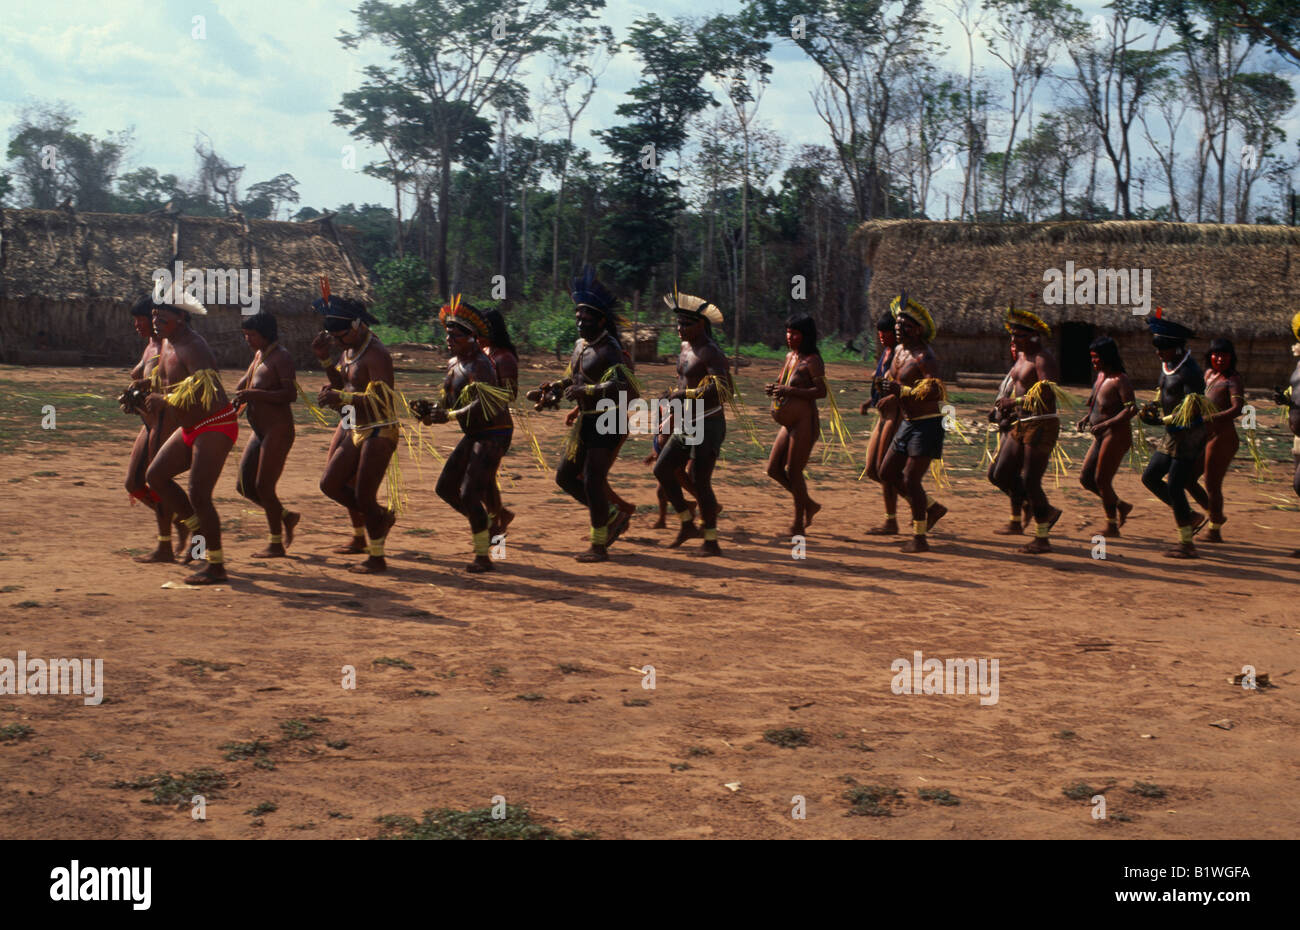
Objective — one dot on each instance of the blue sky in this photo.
(264, 80)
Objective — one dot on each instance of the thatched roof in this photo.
(63, 255)
(1234, 280)
(66, 277)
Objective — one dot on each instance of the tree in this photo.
(52, 162)
(1022, 35)
(646, 200)
(1111, 81)
(218, 179)
(454, 57)
(264, 198)
(1264, 99)
(578, 60)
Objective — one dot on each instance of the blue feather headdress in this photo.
(588, 292)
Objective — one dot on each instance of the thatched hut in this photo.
(68, 280)
(1237, 281)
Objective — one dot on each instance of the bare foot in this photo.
(481, 563)
(662, 524)
(1198, 522)
(357, 546)
(1109, 530)
(1295, 553)
(183, 542)
(1036, 545)
(797, 529)
(888, 528)
(594, 554)
(213, 574)
(162, 554)
(374, 565)
(933, 514)
(272, 551)
(1123, 509)
(810, 510)
(1011, 529)
(710, 547)
(688, 531)
(290, 523)
(916, 544)
(1182, 551)
(1214, 536)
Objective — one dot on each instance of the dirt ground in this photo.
(527, 683)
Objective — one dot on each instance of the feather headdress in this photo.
(1026, 319)
(902, 305)
(589, 292)
(695, 308)
(459, 313)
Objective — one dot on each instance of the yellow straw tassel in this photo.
(1252, 445)
(621, 372)
(839, 429)
(729, 394)
(939, 472)
(520, 416)
(1035, 399)
(316, 412)
(199, 389)
(925, 389)
(1192, 408)
(491, 398)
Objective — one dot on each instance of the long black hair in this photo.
(498, 335)
(263, 324)
(808, 327)
(1223, 345)
(143, 306)
(1108, 351)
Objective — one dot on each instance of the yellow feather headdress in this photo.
(905, 306)
(1026, 319)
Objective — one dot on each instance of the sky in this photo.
(262, 80)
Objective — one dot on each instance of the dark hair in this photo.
(1223, 345)
(263, 324)
(498, 335)
(1108, 351)
(808, 327)
(143, 306)
(885, 324)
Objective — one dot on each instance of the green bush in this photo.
(404, 293)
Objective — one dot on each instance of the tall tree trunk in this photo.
(444, 217)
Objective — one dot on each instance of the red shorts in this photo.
(224, 421)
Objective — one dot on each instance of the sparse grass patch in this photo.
(475, 824)
(421, 692)
(45, 474)
(238, 751)
(571, 669)
(296, 729)
(636, 702)
(178, 789)
(497, 671)
(699, 751)
(938, 796)
(1064, 734)
(266, 807)
(872, 800)
(337, 743)
(529, 696)
(1080, 791)
(789, 737)
(394, 663)
(679, 766)
(28, 604)
(14, 732)
(10, 588)
(1147, 790)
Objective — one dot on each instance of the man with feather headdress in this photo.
(472, 397)
(596, 372)
(1289, 397)
(191, 386)
(703, 383)
(1036, 425)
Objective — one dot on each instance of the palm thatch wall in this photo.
(1236, 281)
(68, 280)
